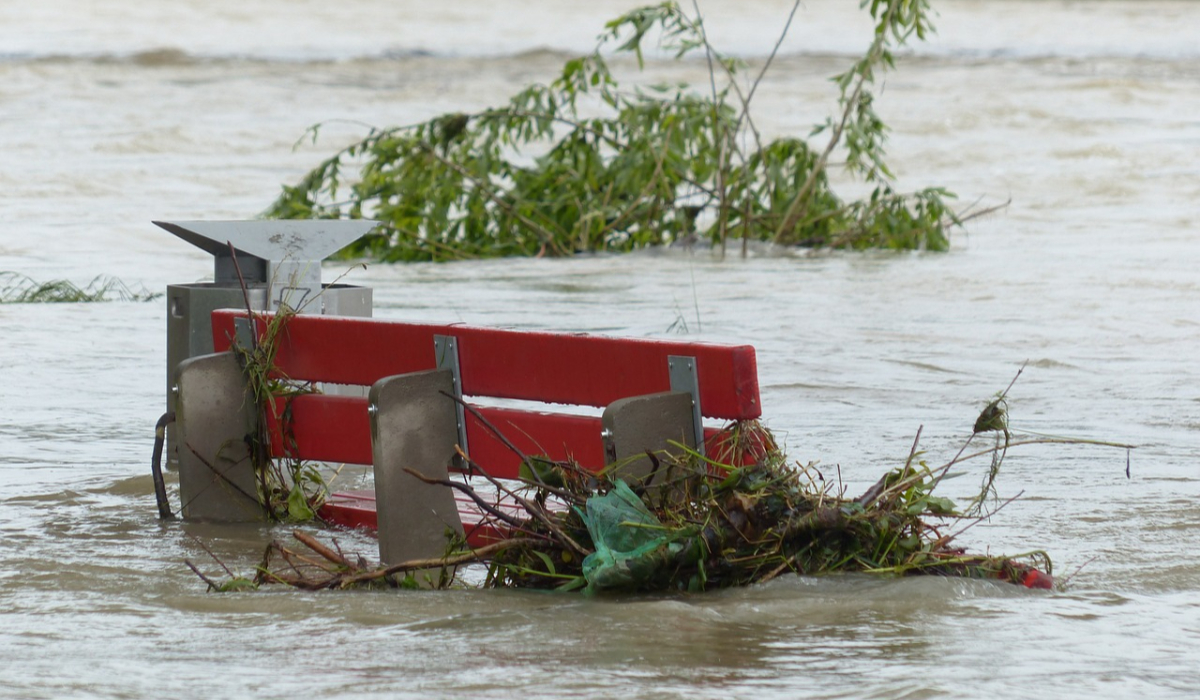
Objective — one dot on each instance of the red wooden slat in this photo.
(356, 510)
(324, 429)
(337, 429)
(595, 371)
(342, 350)
(547, 367)
(352, 509)
(554, 435)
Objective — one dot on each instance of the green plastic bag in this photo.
(631, 544)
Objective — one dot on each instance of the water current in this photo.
(1083, 114)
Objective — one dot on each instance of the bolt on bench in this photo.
(652, 392)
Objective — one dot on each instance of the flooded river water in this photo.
(1084, 114)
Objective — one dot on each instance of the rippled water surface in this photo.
(1082, 113)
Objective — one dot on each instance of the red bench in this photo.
(651, 391)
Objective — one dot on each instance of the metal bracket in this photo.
(445, 351)
(682, 369)
(610, 445)
(286, 298)
(242, 333)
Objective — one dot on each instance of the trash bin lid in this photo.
(274, 240)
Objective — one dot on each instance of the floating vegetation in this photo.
(699, 524)
(16, 288)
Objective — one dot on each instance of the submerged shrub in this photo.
(582, 164)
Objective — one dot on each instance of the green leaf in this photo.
(938, 505)
(237, 585)
(547, 561)
(297, 505)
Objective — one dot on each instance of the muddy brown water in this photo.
(1082, 113)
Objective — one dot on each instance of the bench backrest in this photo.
(552, 368)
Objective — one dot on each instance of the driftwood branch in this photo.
(315, 545)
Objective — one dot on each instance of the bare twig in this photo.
(289, 554)
(210, 553)
(212, 585)
(219, 475)
(466, 488)
(1063, 582)
(245, 296)
(787, 565)
(975, 521)
(799, 204)
(313, 544)
(1039, 441)
(499, 435)
(963, 216)
(534, 510)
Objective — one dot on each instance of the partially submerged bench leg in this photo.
(414, 426)
(639, 423)
(214, 416)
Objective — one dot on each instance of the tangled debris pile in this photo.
(693, 524)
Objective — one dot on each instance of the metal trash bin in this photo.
(280, 264)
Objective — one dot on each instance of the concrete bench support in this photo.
(414, 425)
(639, 423)
(214, 417)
